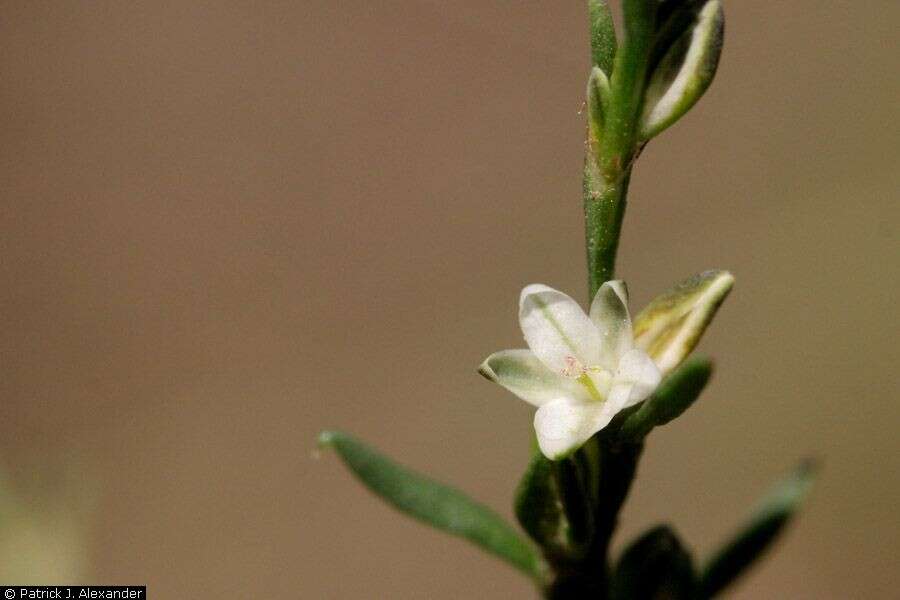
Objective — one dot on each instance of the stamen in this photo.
(573, 368)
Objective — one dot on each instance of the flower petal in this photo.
(564, 424)
(635, 379)
(557, 329)
(522, 373)
(609, 312)
(670, 326)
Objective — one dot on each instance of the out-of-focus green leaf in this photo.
(46, 513)
(675, 394)
(654, 567)
(752, 540)
(685, 71)
(671, 325)
(603, 35)
(433, 503)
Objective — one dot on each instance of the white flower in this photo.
(580, 370)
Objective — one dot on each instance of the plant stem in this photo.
(618, 464)
(607, 173)
(589, 576)
(609, 160)
(604, 210)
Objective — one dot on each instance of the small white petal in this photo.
(636, 378)
(524, 375)
(609, 312)
(564, 424)
(557, 329)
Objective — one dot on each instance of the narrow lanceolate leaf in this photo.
(760, 531)
(671, 325)
(685, 70)
(603, 35)
(655, 566)
(539, 508)
(674, 395)
(597, 97)
(433, 503)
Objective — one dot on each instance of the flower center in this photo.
(596, 379)
(573, 368)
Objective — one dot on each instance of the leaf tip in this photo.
(327, 438)
(702, 364)
(800, 483)
(725, 279)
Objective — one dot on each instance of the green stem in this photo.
(610, 159)
(604, 210)
(618, 465)
(607, 173)
(588, 577)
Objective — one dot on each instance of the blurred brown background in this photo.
(228, 225)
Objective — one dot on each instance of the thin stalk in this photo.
(604, 211)
(611, 149)
(610, 158)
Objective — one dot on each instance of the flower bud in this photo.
(686, 67)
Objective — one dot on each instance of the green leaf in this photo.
(654, 567)
(752, 540)
(571, 475)
(539, 508)
(433, 503)
(603, 35)
(671, 325)
(597, 98)
(686, 67)
(555, 505)
(675, 394)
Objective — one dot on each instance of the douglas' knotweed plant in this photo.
(602, 381)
